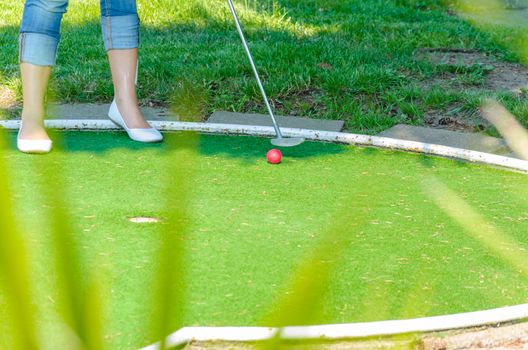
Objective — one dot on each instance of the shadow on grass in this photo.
(244, 148)
(251, 148)
(202, 47)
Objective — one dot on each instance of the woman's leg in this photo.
(39, 40)
(120, 26)
(34, 84)
(123, 64)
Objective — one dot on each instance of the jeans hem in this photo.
(38, 49)
(120, 32)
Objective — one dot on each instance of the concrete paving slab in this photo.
(475, 142)
(100, 111)
(222, 117)
(512, 17)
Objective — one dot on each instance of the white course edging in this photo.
(344, 331)
(315, 135)
(338, 331)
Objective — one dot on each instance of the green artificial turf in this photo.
(252, 224)
(350, 60)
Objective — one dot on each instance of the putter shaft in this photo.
(255, 71)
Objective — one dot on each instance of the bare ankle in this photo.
(31, 121)
(33, 125)
(33, 116)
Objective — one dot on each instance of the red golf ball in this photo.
(274, 156)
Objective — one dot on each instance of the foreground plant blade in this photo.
(14, 275)
(93, 311)
(513, 132)
(498, 243)
(78, 303)
(170, 291)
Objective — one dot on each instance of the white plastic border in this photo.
(315, 135)
(338, 331)
(344, 331)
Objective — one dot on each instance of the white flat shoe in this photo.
(33, 146)
(140, 135)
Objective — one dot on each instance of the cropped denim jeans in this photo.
(40, 28)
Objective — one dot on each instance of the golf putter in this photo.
(280, 140)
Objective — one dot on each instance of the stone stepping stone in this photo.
(222, 117)
(499, 75)
(514, 16)
(474, 142)
(100, 111)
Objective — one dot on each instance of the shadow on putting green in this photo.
(245, 148)
(86, 141)
(249, 148)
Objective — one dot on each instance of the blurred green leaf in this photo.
(14, 273)
(78, 302)
(169, 292)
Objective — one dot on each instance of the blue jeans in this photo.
(40, 28)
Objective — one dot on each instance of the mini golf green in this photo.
(252, 224)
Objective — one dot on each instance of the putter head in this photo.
(287, 141)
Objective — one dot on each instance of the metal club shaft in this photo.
(255, 71)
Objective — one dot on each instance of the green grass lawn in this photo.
(251, 225)
(329, 59)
